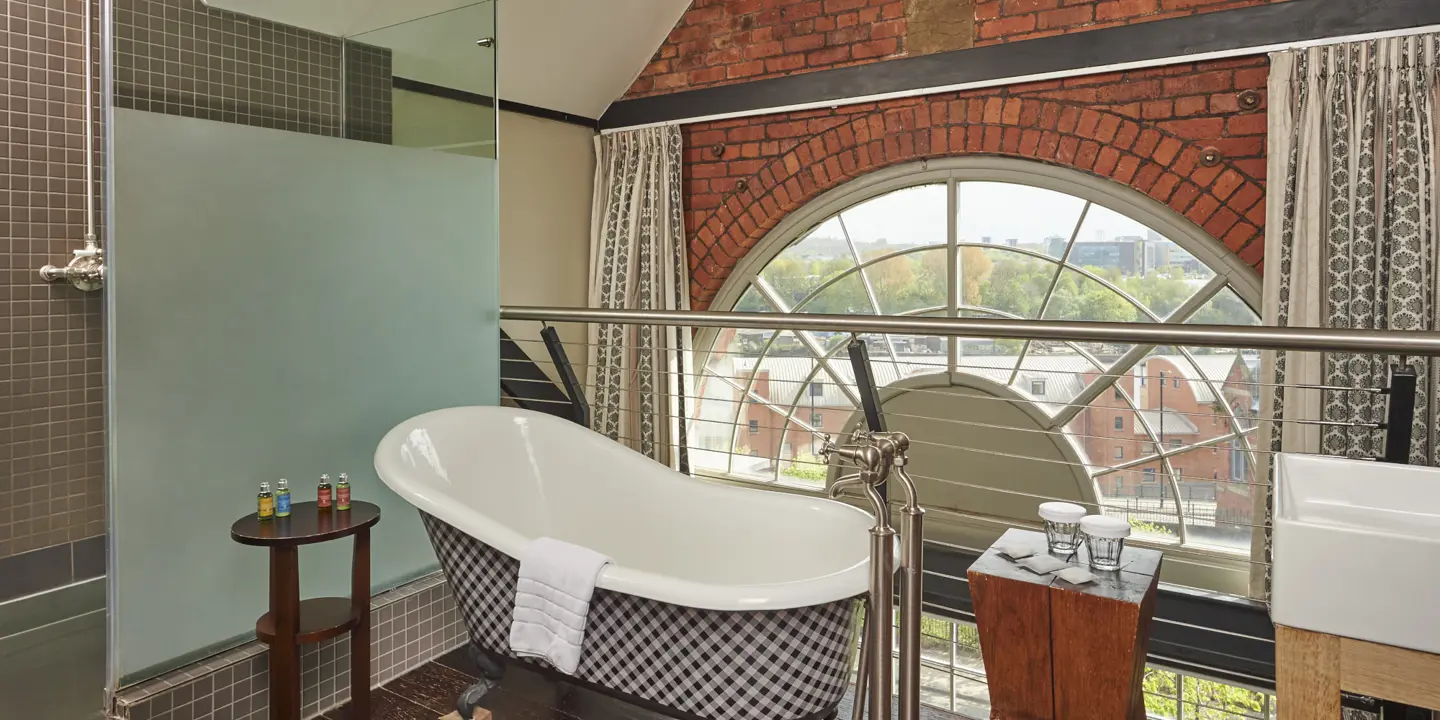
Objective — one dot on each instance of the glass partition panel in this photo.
(280, 296)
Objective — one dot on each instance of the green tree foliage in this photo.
(806, 467)
(992, 278)
(1202, 699)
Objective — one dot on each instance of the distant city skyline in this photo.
(916, 216)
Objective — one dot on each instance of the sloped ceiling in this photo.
(576, 56)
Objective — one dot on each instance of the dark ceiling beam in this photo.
(1161, 42)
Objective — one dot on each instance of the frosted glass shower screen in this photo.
(278, 301)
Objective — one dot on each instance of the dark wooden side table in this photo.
(1056, 651)
(292, 622)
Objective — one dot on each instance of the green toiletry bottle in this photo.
(267, 502)
(342, 492)
(282, 498)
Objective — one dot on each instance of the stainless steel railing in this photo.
(1384, 342)
(1177, 497)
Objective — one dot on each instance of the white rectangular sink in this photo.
(1356, 550)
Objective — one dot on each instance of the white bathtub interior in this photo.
(507, 476)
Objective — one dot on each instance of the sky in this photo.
(916, 216)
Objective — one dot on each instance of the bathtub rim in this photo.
(848, 582)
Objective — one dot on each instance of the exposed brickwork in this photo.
(720, 41)
(1145, 129)
(727, 41)
(999, 21)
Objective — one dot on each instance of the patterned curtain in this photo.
(1352, 241)
(637, 373)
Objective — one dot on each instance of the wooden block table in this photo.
(292, 623)
(1057, 651)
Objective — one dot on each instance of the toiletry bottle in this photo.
(323, 498)
(267, 502)
(282, 498)
(342, 493)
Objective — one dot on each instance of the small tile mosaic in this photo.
(368, 91)
(410, 625)
(51, 395)
(178, 57)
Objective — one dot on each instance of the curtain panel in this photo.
(1351, 239)
(637, 373)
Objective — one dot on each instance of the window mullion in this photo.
(865, 282)
(1050, 292)
(954, 273)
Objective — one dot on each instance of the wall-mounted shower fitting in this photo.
(86, 271)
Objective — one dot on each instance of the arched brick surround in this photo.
(783, 162)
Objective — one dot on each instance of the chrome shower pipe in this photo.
(86, 270)
(895, 445)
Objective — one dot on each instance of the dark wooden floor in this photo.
(429, 691)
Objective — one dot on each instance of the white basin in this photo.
(1357, 550)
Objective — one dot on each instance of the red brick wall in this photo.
(720, 41)
(998, 21)
(1144, 129)
(726, 41)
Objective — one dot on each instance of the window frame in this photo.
(1230, 273)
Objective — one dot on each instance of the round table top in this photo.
(305, 525)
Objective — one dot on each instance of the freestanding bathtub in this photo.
(723, 603)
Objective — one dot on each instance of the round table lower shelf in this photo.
(320, 619)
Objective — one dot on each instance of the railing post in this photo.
(579, 406)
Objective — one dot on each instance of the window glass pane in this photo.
(1226, 308)
(915, 281)
(753, 301)
(802, 267)
(1218, 511)
(1011, 283)
(800, 463)
(1151, 268)
(904, 218)
(1060, 371)
(1078, 297)
(846, 296)
(1004, 214)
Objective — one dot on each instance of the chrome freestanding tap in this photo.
(876, 454)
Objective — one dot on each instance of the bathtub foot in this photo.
(469, 701)
(492, 665)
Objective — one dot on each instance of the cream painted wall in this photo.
(547, 174)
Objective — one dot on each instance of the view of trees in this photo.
(992, 278)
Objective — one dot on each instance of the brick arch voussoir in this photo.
(1224, 201)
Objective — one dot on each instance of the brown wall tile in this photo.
(172, 56)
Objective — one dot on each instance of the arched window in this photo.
(999, 425)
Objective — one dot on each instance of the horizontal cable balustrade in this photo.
(1123, 413)
(963, 366)
(992, 398)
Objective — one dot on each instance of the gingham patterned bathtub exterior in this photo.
(763, 665)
